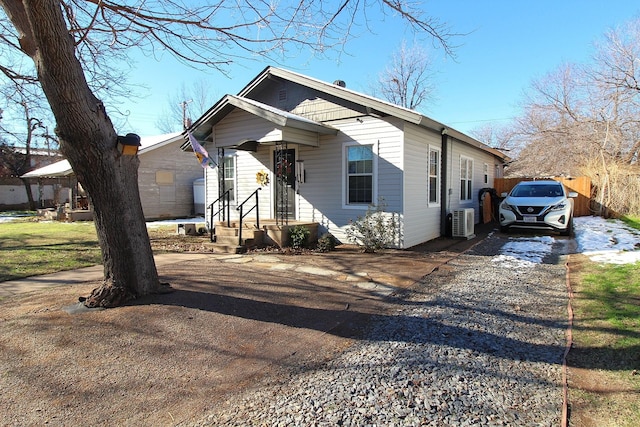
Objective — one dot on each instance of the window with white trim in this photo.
(466, 178)
(485, 172)
(359, 167)
(433, 187)
(230, 175)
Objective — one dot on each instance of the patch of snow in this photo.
(606, 240)
(160, 223)
(523, 252)
(602, 240)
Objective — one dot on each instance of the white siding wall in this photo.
(456, 150)
(247, 164)
(421, 221)
(240, 125)
(321, 197)
(401, 174)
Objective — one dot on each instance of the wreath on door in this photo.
(262, 178)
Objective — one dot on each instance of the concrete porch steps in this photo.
(225, 238)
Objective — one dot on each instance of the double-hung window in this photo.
(434, 176)
(359, 165)
(466, 178)
(229, 168)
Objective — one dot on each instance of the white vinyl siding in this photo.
(322, 197)
(456, 151)
(421, 220)
(246, 165)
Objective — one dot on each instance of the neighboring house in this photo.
(13, 193)
(165, 177)
(329, 152)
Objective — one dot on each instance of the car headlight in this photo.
(507, 207)
(559, 207)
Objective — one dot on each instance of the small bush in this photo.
(326, 243)
(373, 231)
(298, 236)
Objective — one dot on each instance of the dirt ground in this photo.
(167, 359)
(232, 323)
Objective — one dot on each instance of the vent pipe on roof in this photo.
(340, 83)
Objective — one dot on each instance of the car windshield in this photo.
(551, 190)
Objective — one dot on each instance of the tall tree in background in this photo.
(408, 80)
(66, 38)
(499, 137)
(585, 120)
(185, 105)
(27, 132)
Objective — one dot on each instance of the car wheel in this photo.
(569, 230)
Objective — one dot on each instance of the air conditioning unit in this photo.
(463, 223)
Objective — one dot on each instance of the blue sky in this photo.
(509, 44)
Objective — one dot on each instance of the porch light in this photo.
(128, 145)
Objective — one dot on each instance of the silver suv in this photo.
(544, 205)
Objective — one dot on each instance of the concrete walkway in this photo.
(81, 275)
(95, 273)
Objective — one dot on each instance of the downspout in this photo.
(443, 182)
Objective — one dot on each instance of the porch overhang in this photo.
(272, 137)
(283, 127)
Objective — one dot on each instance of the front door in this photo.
(284, 162)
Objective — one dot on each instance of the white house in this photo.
(166, 176)
(322, 153)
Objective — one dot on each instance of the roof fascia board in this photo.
(371, 104)
(177, 137)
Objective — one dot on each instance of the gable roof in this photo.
(276, 116)
(372, 105)
(63, 167)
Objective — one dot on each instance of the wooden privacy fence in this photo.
(580, 184)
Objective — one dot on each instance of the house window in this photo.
(229, 169)
(466, 178)
(359, 163)
(485, 172)
(434, 176)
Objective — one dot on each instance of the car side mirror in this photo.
(573, 194)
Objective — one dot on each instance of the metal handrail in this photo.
(224, 209)
(242, 215)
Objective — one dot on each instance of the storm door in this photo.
(284, 161)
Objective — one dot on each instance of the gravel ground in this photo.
(485, 349)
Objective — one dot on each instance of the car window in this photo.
(537, 191)
(523, 191)
(555, 191)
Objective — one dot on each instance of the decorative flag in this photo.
(200, 152)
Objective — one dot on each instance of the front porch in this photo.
(238, 236)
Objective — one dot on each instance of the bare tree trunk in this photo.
(27, 188)
(89, 141)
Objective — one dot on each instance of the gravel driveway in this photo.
(485, 349)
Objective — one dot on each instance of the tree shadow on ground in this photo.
(365, 326)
